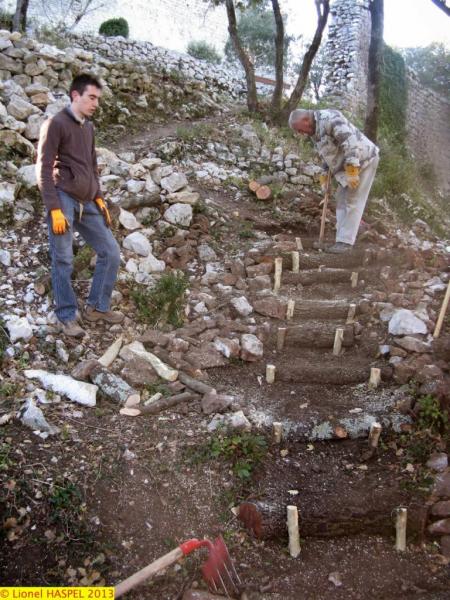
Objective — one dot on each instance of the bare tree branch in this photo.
(279, 57)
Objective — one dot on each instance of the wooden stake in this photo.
(338, 339)
(290, 309)
(375, 378)
(298, 242)
(293, 532)
(324, 209)
(354, 279)
(278, 270)
(277, 432)
(440, 321)
(281, 337)
(270, 373)
(351, 314)
(295, 262)
(400, 529)
(374, 434)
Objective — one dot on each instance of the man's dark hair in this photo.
(80, 83)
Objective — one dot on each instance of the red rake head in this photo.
(218, 571)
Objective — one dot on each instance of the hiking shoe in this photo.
(71, 329)
(339, 248)
(110, 316)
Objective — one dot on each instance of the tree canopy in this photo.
(432, 65)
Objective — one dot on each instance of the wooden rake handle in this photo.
(440, 321)
(158, 565)
(325, 206)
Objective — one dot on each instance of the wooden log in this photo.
(332, 261)
(267, 520)
(317, 335)
(167, 402)
(322, 309)
(334, 370)
(253, 186)
(311, 277)
(264, 192)
(195, 384)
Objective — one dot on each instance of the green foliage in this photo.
(8, 389)
(393, 95)
(256, 30)
(204, 51)
(243, 450)
(5, 452)
(156, 388)
(6, 20)
(51, 35)
(431, 416)
(432, 66)
(114, 27)
(195, 132)
(163, 303)
(246, 230)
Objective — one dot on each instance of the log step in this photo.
(323, 309)
(316, 335)
(310, 277)
(328, 369)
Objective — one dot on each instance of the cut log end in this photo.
(254, 186)
(264, 192)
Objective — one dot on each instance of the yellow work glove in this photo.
(352, 174)
(323, 180)
(104, 210)
(59, 222)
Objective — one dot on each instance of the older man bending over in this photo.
(350, 157)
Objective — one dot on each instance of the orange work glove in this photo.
(104, 210)
(59, 222)
(352, 174)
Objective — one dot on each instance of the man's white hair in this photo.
(299, 114)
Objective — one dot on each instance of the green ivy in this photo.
(393, 95)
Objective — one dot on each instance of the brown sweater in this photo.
(67, 160)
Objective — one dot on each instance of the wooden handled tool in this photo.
(324, 209)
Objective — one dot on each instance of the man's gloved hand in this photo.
(104, 210)
(323, 180)
(352, 174)
(59, 222)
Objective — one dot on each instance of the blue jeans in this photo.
(96, 234)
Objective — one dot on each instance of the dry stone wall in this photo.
(428, 128)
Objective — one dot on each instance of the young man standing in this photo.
(68, 180)
(350, 157)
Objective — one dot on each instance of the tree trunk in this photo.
(323, 8)
(374, 79)
(279, 58)
(17, 18)
(252, 98)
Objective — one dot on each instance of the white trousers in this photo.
(350, 204)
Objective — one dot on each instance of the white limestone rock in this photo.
(137, 350)
(174, 182)
(138, 243)
(206, 253)
(27, 176)
(77, 391)
(179, 214)
(404, 322)
(150, 264)
(21, 109)
(252, 348)
(19, 329)
(128, 220)
(241, 306)
(135, 186)
(33, 417)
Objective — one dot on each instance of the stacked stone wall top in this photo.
(428, 128)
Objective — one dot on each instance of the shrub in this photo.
(113, 27)
(204, 51)
(164, 303)
(6, 20)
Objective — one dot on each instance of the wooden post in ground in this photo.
(338, 339)
(281, 337)
(440, 321)
(298, 242)
(294, 536)
(400, 529)
(270, 373)
(290, 309)
(351, 314)
(277, 278)
(354, 279)
(374, 434)
(277, 432)
(295, 262)
(375, 378)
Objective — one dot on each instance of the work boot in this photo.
(71, 329)
(114, 317)
(339, 248)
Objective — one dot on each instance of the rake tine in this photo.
(235, 573)
(230, 577)
(223, 584)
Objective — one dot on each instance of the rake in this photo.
(218, 570)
